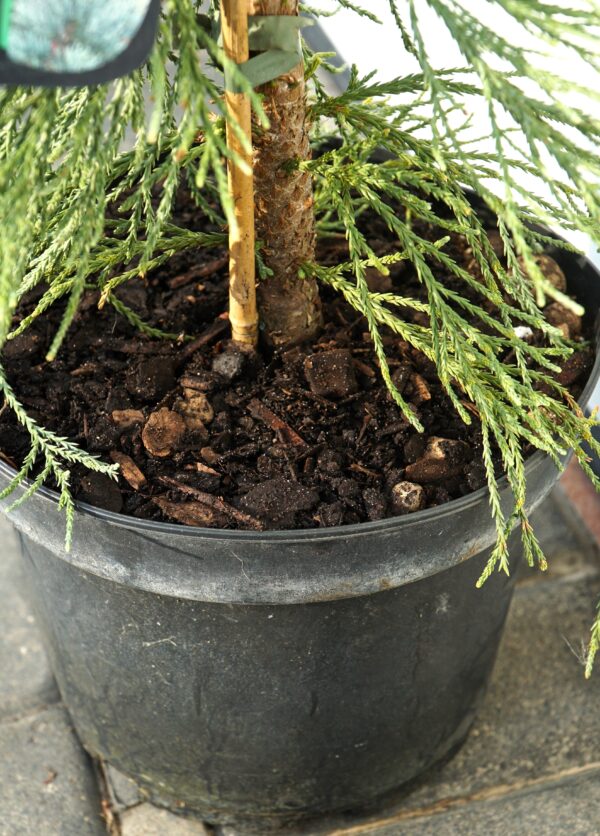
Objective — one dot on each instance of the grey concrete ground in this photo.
(530, 766)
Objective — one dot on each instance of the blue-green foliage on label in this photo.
(72, 35)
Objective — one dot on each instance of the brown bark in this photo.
(289, 307)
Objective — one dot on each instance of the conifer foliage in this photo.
(62, 165)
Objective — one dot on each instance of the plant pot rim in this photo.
(416, 518)
(287, 534)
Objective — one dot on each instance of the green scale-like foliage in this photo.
(62, 165)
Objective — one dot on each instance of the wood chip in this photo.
(209, 455)
(192, 513)
(196, 383)
(129, 470)
(215, 503)
(86, 370)
(203, 468)
(163, 432)
(421, 388)
(262, 413)
(127, 419)
(358, 468)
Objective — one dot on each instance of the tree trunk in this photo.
(289, 307)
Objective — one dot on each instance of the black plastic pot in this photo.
(261, 677)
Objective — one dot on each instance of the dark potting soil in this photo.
(208, 434)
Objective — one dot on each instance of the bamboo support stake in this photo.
(242, 278)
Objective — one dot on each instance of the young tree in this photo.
(62, 165)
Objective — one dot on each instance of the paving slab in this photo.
(566, 542)
(568, 807)
(26, 681)
(147, 820)
(47, 784)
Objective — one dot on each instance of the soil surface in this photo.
(208, 434)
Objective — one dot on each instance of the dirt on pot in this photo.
(208, 433)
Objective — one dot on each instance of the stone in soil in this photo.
(330, 374)
(407, 497)
(229, 364)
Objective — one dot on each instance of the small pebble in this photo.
(229, 364)
(407, 497)
(523, 332)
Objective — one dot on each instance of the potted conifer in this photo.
(277, 510)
